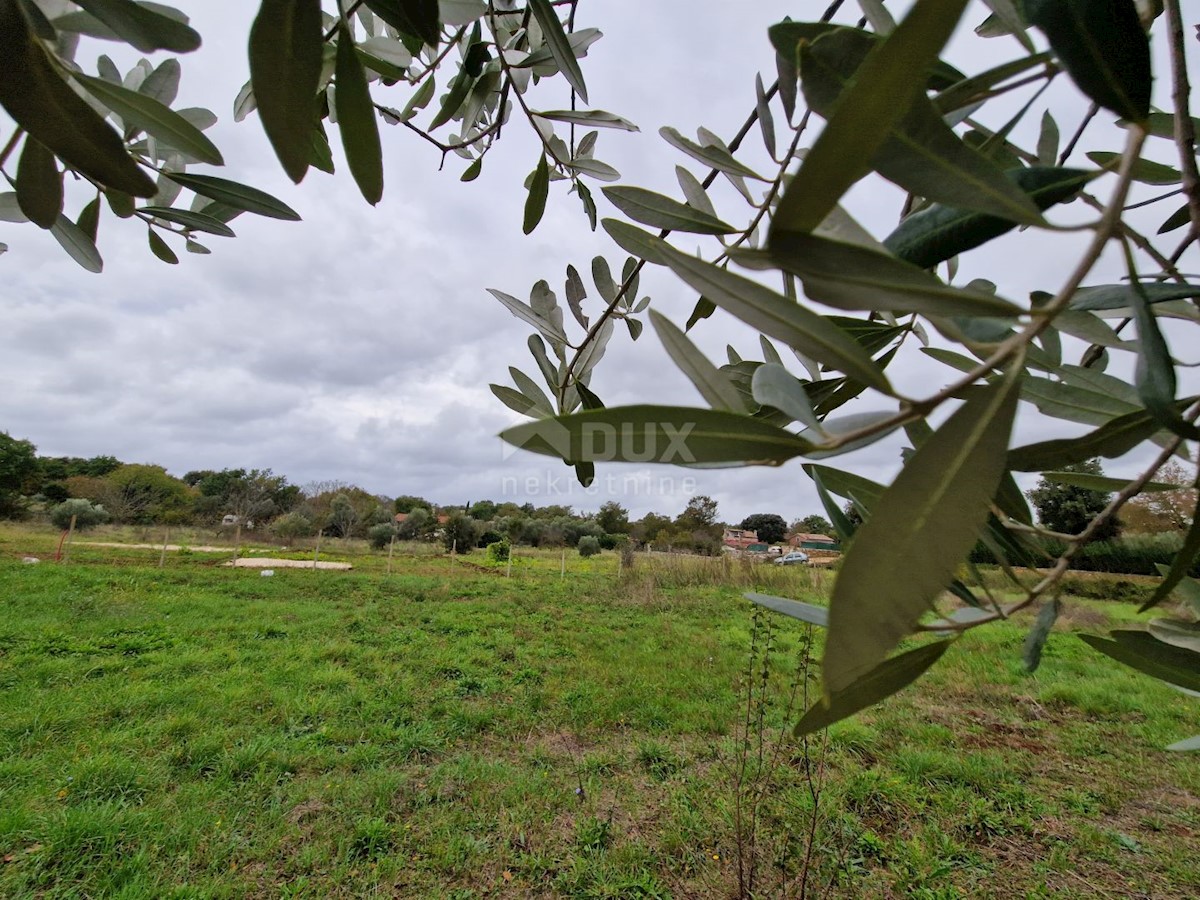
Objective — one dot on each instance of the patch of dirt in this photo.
(171, 547)
(260, 562)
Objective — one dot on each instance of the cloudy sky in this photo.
(358, 344)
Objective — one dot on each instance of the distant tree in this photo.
(416, 525)
(647, 528)
(483, 511)
(460, 533)
(344, 516)
(771, 528)
(55, 492)
(852, 514)
(292, 525)
(1160, 511)
(613, 518)
(813, 524)
(699, 514)
(18, 466)
(408, 503)
(1067, 508)
(588, 546)
(143, 494)
(381, 535)
(86, 513)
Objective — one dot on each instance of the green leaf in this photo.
(805, 612)
(356, 120)
(239, 196)
(1102, 484)
(89, 219)
(39, 184)
(1142, 651)
(1075, 404)
(1113, 439)
(918, 533)
(969, 91)
(1177, 219)
(847, 484)
(1144, 170)
(1177, 633)
(1006, 13)
(776, 316)
(713, 157)
(1154, 374)
(593, 168)
(158, 121)
(419, 18)
(39, 101)
(939, 232)
(285, 69)
(559, 46)
(514, 400)
(194, 221)
(887, 678)
(1103, 47)
(887, 83)
(1035, 641)
(460, 87)
(144, 28)
(163, 85)
(653, 209)
(633, 240)
(160, 249)
(596, 118)
(539, 190)
(708, 379)
(847, 276)
(471, 172)
(529, 387)
(773, 385)
(666, 434)
(523, 311)
(922, 154)
(1123, 296)
(1180, 566)
(77, 244)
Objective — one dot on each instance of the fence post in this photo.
(317, 551)
(391, 548)
(70, 535)
(162, 557)
(237, 543)
(562, 571)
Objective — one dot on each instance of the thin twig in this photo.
(1070, 148)
(1185, 133)
(10, 146)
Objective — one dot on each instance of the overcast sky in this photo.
(358, 344)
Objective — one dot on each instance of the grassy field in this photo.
(446, 731)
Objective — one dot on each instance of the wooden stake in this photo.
(510, 556)
(70, 535)
(562, 571)
(391, 548)
(162, 557)
(237, 542)
(317, 552)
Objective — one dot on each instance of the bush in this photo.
(86, 513)
(381, 535)
(498, 551)
(460, 533)
(489, 537)
(613, 541)
(292, 525)
(589, 546)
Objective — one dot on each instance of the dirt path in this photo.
(260, 562)
(172, 547)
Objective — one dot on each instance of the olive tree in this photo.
(838, 303)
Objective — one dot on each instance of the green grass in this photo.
(197, 731)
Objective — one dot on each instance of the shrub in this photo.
(381, 535)
(459, 533)
(613, 541)
(589, 546)
(292, 525)
(489, 537)
(498, 551)
(86, 513)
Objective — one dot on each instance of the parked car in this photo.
(795, 558)
(775, 551)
